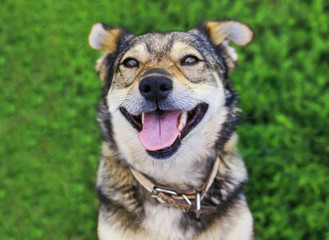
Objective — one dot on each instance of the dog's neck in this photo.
(179, 176)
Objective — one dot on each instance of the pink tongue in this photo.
(159, 131)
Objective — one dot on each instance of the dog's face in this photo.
(167, 93)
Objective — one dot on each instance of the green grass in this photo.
(49, 139)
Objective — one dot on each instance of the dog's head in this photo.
(167, 94)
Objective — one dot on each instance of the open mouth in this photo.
(161, 132)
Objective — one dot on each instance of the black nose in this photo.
(155, 88)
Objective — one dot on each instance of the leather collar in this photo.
(186, 201)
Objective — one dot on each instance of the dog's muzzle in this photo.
(161, 131)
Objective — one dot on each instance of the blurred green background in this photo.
(49, 139)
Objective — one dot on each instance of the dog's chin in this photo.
(167, 152)
(186, 122)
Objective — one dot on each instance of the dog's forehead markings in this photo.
(157, 42)
(138, 50)
(160, 47)
(184, 49)
(141, 47)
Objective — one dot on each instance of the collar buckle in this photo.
(157, 190)
(155, 194)
(198, 204)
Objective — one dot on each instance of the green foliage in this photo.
(49, 140)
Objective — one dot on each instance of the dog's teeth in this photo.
(142, 118)
(182, 121)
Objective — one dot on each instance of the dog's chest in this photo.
(164, 223)
(159, 223)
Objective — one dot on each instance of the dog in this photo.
(169, 167)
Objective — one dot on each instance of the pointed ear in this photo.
(104, 37)
(220, 33)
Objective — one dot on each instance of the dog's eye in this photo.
(130, 63)
(188, 60)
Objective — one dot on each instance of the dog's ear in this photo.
(220, 33)
(103, 37)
